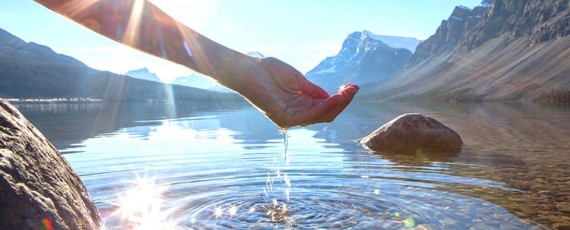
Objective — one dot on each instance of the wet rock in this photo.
(413, 133)
(509, 226)
(423, 227)
(563, 207)
(38, 188)
(561, 226)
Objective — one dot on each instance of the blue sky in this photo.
(300, 32)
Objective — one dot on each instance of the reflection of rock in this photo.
(412, 133)
(36, 183)
(417, 158)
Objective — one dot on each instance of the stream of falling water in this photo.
(278, 195)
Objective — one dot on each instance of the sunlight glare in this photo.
(72, 8)
(218, 212)
(141, 206)
(194, 14)
(133, 27)
(342, 87)
(232, 210)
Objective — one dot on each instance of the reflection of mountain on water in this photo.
(68, 124)
(251, 126)
(141, 132)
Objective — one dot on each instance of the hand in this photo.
(288, 99)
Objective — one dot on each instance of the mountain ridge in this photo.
(144, 74)
(30, 70)
(362, 59)
(506, 56)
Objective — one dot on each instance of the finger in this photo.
(312, 90)
(333, 106)
(348, 92)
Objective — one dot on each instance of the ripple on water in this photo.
(219, 184)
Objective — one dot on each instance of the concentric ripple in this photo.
(178, 176)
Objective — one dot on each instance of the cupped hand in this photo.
(288, 99)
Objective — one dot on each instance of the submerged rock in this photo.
(38, 188)
(412, 133)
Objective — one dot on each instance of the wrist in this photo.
(236, 70)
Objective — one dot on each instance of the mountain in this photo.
(448, 34)
(363, 59)
(255, 54)
(18, 50)
(201, 82)
(395, 41)
(29, 70)
(143, 74)
(517, 51)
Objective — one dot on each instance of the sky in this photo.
(299, 32)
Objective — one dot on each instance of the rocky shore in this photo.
(39, 189)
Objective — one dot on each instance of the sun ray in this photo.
(72, 8)
(132, 32)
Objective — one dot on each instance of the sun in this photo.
(193, 13)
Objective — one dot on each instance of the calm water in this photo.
(204, 167)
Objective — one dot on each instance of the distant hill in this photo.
(29, 70)
(517, 51)
(363, 59)
(201, 82)
(143, 74)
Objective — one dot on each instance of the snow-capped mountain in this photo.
(143, 74)
(255, 54)
(395, 41)
(364, 58)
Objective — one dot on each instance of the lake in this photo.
(202, 166)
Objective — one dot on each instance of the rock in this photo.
(412, 133)
(561, 226)
(37, 185)
(423, 227)
(563, 207)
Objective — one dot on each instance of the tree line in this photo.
(35, 78)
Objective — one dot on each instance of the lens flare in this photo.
(409, 222)
(46, 224)
(396, 213)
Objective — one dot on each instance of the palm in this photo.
(288, 99)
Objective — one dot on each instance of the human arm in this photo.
(282, 93)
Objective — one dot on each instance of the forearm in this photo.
(230, 68)
(145, 27)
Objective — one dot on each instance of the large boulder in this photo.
(412, 133)
(38, 188)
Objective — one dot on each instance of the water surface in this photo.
(205, 167)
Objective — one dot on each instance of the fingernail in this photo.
(353, 88)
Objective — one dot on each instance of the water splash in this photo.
(276, 208)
